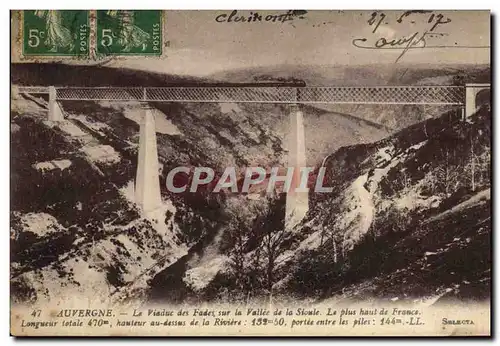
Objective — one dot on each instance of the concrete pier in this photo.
(55, 112)
(147, 183)
(471, 91)
(297, 203)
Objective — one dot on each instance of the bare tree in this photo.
(239, 235)
(485, 163)
(335, 254)
(272, 248)
(448, 174)
(253, 273)
(405, 180)
(271, 232)
(479, 163)
(472, 165)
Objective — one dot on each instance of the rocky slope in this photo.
(74, 227)
(409, 218)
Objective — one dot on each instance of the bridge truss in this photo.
(395, 95)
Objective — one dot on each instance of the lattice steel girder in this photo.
(430, 95)
(437, 95)
(101, 94)
(33, 89)
(223, 94)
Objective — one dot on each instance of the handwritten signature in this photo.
(236, 17)
(405, 43)
(415, 40)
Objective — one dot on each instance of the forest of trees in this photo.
(255, 250)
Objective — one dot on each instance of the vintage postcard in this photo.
(250, 173)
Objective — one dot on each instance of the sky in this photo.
(200, 45)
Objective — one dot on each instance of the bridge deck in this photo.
(397, 95)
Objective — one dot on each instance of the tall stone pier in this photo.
(297, 203)
(147, 183)
(471, 92)
(55, 113)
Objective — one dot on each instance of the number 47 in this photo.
(36, 313)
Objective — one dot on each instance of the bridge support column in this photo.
(471, 91)
(297, 203)
(147, 183)
(55, 112)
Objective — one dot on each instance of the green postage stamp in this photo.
(89, 34)
(129, 32)
(55, 33)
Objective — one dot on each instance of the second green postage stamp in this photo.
(121, 32)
